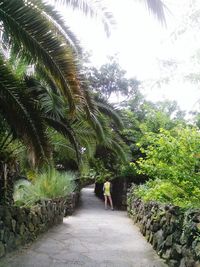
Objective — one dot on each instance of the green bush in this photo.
(48, 185)
(172, 162)
(165, 191)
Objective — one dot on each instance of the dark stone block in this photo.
(168, 241)
(159, 237)
(167, 254)
(176, 252)
(173, 263)
(196, 248)
(6, 235)
(155, 227)
(2, 225)
(2, 250)
(10, 244)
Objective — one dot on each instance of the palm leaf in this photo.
(65, 129)
(20, 113)
(157, 8)
(31, 31)
(109, 111)
(86, 136)
(49, 101)
(60, 26)
(94, 9)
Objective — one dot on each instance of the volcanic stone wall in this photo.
(20, 225)
(173, 233)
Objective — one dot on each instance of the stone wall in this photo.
(20, 225)
(173, 233)
(71, 203)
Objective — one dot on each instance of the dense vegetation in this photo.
(56, 111)
(50, 184)
(172, 163)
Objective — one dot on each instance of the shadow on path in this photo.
(93, 237)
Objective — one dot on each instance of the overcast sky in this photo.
(141, 42)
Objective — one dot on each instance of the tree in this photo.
(34, 33)
(110, 80)
(172, 160)
(143, 118)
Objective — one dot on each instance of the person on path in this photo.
(107, 193)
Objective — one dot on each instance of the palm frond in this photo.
(97, 126)
(86, 136)
(94, 9)
(49, 101)
(65, 129)
(119, 151)
(157, 8)
(20, 113)
(32, 32)
(109, 111)
(44, 77)
(60, 26)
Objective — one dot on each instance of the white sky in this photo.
(140, 42)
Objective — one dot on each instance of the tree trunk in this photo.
(6, 183)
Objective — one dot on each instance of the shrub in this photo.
(165, 191)
(172, 162)
(48, 185)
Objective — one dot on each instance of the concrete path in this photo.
(93, 237)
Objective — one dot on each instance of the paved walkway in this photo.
(93, 237)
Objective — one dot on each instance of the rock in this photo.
(8, 218)
(163, 220)
(10, 244)
(1, 234)
(182, 263)
(2, 210)
(183, 239)
(13, 222)
(197, 249)
(31, 227)
(6, 235)
(2, 250)
(155, 227)
(18, 240)
(177, 235)
(190, 263)
(175, 210)
(151, 238)
(35, 219)
(167, 254)
(168, 241)
(22, 229)
(173, 263)
(176, 251)
(197, 218)
(197, 264)
(159, 239)
(2, 225)
(21, 218)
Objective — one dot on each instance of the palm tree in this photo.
(35, 33)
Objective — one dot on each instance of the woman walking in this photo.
(107, 194)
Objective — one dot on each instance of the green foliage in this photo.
(128, 170)
(166, 191)
(111, 78)
(48, 185)
(100, 171)
(172, 159)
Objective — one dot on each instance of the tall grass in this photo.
(48, 185)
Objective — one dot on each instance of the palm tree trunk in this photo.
(6, 184)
